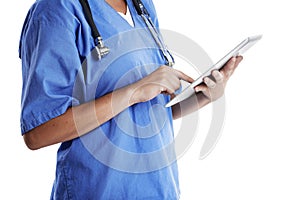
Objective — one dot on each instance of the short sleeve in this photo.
(50, 65)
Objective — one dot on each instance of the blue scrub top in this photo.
(130, 156)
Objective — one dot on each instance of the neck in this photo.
(118, 5)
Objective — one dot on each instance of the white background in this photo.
(258, 154)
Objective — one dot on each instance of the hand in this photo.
(214, 85)
(163, 80)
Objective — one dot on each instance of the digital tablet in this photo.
(238, 50)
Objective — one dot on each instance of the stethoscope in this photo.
(103, 50)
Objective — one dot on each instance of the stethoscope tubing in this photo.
(102, 50)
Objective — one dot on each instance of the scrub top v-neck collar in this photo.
(127, 16)
(130, 8)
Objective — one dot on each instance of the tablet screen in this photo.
(238, 50)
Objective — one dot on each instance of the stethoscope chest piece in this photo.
(100, 48)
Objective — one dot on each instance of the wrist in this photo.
(134, 94)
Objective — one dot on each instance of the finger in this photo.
(218, 76)
(238, 60)
(184, 77)
(169, 91)
(201, 87)
(172, 96)
(229, 67)
(231, 63)
(166, 89)
(210, 83)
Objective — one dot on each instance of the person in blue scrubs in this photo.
(116, 135)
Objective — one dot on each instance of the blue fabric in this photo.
(132, 155)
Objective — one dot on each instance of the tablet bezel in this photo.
(238, 50)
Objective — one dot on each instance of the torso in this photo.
(125, 158)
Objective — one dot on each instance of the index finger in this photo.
(183, 76)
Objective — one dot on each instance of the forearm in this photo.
(79, 120)
(189, 105)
